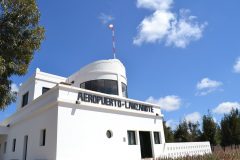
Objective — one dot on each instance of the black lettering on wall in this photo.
(85, 97)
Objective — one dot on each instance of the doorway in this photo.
(25, 147)
(145, 144)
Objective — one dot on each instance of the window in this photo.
(109, 134)
(82, 85)
(5, 147)
(14, 145)
(25, 147)
(43, 137)
(44, 89)
(124, 90)
(101, 85)
(157, 137)
(25, 99)
(131, 137)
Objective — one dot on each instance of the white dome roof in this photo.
(107, 66)
(111, 69)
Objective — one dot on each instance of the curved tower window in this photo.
(124, 90)
(101, 85)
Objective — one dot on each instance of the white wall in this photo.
(34, 86)
(39, 84)
(28, 87)
(32, 127)
(82, 134)
(2, 140)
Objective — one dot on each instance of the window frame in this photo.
(45, 89)
(14, 145)
(5, 147)
(43, 137)
(102, 86)
(129, 136)
(25, 99)
(126, 90)
(157, 137)
(109, 134)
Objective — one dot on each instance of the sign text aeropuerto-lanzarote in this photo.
(91, 98)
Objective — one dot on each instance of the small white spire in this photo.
(38, 70)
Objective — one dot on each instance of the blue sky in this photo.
(183, 55)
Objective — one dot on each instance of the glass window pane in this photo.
(82, 85)
(14, 145)
(25, 99)
(131, 137)
(43, 137)
(5, 147)
(111, 87)
(45, 89)
(124, 90)
(88, 85)
(93, 85)
(102, 85)
(109, 133)
(157, 138)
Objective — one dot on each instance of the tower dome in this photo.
(105, 76)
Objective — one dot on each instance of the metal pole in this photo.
(113, 40)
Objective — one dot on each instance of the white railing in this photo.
(174, 150)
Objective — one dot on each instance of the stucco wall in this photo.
(32, 127)
(82, 134)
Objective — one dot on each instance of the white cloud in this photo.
(154, 28)
(164, 25)
(14, 87)
(185, 30)
(168, 103)
(171, 123)
(155, 4)
(206, 86)
(193, 117)
(236, 66)
(207, 83)
(104, 18)
(226, 107)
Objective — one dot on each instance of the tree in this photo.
(226, 138)
(230, 128)
(181, 133)
(168, 133)
(194, 131)
(20, 36)
(209, 129)
(218, 135)
(235, 126)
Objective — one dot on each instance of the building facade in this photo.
(86, 116)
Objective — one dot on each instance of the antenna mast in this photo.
(111, 27)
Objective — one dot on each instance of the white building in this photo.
(86, 116)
